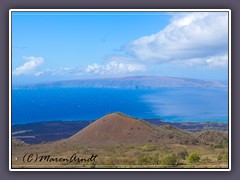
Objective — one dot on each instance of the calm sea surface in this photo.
(170, 104)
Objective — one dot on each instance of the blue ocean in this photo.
(169, 104)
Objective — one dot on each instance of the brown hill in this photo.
(117, 128)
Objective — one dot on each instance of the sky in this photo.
(52, 46)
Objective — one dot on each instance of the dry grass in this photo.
(121, 156)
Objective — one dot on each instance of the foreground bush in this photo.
(193, 158)
(148, 148)
(170, 160)
(144, 160)
(222, 157)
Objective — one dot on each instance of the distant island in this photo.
(131, 82)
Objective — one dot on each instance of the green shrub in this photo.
(225, 144)
(119, 145)
(169, 160)
(142, 160)
(222, 157)
(193, 158)
(154, 160)
(148, 148)
(217, 146)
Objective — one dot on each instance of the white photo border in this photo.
(119, 10)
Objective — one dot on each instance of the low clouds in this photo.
(190, 39)
(110, 68)
(214, 61)
(114, 67)
(29, 67)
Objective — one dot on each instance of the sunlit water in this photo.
(170, 104)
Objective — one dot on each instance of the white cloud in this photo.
(39, 73)
(58, 71)
(190, 37)
(111, 68)
(28, 67)
(213, 61)
(114, 67)
(62, 71)
(218, 61)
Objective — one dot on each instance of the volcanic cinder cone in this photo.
(117, 128)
